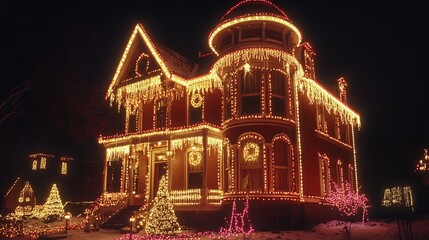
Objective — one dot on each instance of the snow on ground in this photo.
(372, 230)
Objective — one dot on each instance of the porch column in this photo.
(204, 189)
(106, 162)
(130, 180)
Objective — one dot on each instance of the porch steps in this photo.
(120, 219)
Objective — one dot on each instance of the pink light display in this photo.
(347, 201)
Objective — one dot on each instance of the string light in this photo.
(317, 94)
(423, 164)
(251, 152)
(195, 158)
(399, 197)
(162, 218)
(197, 100)
(347, 200)
(250, 18)
(53, 207)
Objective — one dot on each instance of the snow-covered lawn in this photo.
(380, 229)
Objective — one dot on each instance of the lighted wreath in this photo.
(196, 100)
(195, 158)
(251, 152)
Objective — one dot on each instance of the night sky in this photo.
(66, 54)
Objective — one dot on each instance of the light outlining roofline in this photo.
(139, 29)
(246, 1)
(129, 137)
(240, 20)
(333, 98)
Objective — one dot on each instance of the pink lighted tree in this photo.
(348, 202)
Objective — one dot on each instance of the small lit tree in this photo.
(162, 219)
(348, 202)
(53, 208)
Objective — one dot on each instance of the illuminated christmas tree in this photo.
(162, 219)
(53, 208)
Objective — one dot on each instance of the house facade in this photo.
(250, 119)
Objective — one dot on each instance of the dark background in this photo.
(67, 52)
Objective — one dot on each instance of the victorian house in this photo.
(250, 119)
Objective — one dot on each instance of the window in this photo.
(251, 177)
(226, 41)
(325, 174)
(34, 166)
(227, 96)
(340, 174)
(337, 128)
(161, 114)
(347, 135)
(196, 102)
(250, 86)
(251, 33)
(227, 176)
(132, 123)
(322, 125)
(274, 35)
(63, 168)
(278, 93)
(281, 155)
(351, 176)
(195, 169)
(42, 163)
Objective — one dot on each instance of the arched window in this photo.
(251, 163)
(283, 165)
(351, 176)
(250, 89)
(227, 175)
(325, 174)
(340, 173)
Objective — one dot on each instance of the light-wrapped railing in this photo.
(215, 196)
(186, 197)
(109, 204)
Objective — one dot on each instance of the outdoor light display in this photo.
(249, 123)
(197, 100)
(239, 223)
(53, 207)
(26, 201)
(423, 164)
(162, 218)
(398, 197)
(347, 200)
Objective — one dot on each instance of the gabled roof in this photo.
(177, 63)
(168, 61)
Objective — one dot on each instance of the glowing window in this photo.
(64, 168)
(195, 169)
(34, 167)
(250, 86)
(251, 165)
(43, 163)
